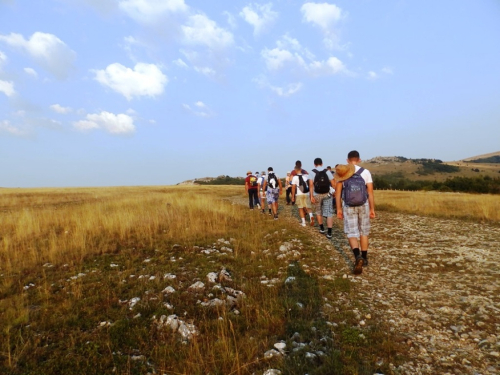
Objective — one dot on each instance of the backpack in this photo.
(354, 190)
(272, 180)
(321, 182)
(253, 181)
(303, 186)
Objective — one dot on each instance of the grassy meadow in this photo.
(83, 277)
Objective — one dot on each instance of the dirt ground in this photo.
(436, 282)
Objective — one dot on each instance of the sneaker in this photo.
(303, 224)
(312, 221)
(365, 262)
(322, 231)
(275, 217)
(358, 266)
(269, 213)
(263, 211)
(328, 235)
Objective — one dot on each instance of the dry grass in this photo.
(66, 225)
(50, 316)
(478, 207)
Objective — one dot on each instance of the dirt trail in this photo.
(436, 282)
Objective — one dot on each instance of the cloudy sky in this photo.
(154, 92)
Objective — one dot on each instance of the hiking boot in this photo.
(312, 222)
(358, 266)
(365, 262)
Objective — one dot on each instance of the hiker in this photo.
(288, 188)
(298, 164)
(273, 192)
(356, 206)
(321, 197)
(251, 187)
(262, 193)
(332, 190)
(301, 185)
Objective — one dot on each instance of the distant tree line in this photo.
(223, 180)
(491, 159)
(480, 184)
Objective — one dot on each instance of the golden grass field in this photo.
(49, 315)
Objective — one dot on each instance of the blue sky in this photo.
(154, 92)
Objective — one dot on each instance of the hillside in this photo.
(432, 169)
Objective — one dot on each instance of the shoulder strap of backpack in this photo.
(359, 171)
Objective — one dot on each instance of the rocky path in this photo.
(435, 282)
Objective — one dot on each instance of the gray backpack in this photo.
(354, 190)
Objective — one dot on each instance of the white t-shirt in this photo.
(367, 176)
(328, 173)
(260, 180)
(295, 181)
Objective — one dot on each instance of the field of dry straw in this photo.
(90, 277)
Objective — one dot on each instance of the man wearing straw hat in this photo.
(356, 205)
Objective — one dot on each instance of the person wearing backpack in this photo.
(356, 206)
(262, 193)
(273, 192)
(301, 185)
(252, 189)
(321, 197)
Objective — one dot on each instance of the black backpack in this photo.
(321, 182)
(354, 190)
(303, 186)
(272, 180)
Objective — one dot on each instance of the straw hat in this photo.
(343, 172)
(249, 172)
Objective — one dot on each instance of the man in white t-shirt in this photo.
(301, 185)
(356, 216)
(262, 193)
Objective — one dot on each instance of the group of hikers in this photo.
(346, 191)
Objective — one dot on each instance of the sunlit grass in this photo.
(480, 207)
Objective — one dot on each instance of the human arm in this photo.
(371, 200)
(338, 199)
(311, 190)
(294, 190)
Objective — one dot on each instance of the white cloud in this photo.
(3, 59)
(47, 50)
(201, 30)
(31, 72)
(288, 90)
(150, 11)
(261, 17)
(285, 91)
(180, 63)
(205, 70)
(325, 16)
(387, 70)
(113, 124)
(7, 88)
(276, 58)
(231, 20)
(60, 109)
(202, 110)
(372, 75)
(329, 67)
(301, 59)
(143, 80)
(6, 127)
